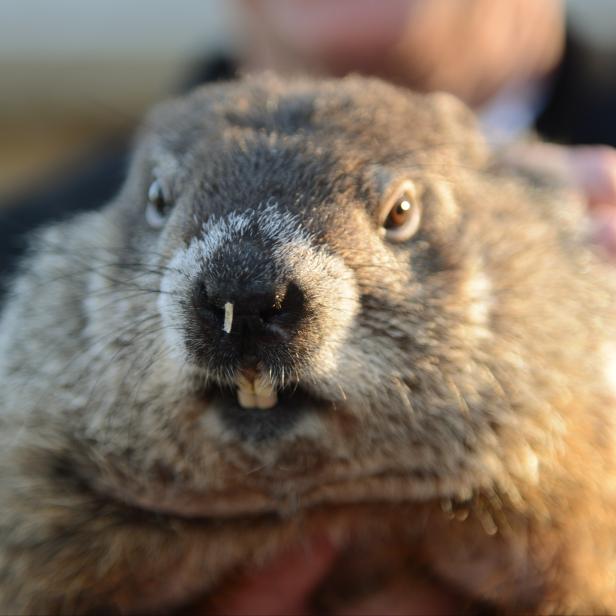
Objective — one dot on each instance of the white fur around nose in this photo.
(325, 276)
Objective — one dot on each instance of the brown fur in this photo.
(464, 427)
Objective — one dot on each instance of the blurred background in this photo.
(76, 75)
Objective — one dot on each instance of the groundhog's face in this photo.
(317, 309)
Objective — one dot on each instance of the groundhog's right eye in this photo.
(158, 206)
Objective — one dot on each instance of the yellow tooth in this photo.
(266, 401)
(255, 392)
(263, 386)
(246, 399)
(246, 384)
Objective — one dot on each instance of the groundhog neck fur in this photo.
(315, 307)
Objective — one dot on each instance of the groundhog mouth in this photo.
(255, 390)
(255, 394)
(291, 399)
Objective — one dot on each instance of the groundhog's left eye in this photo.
(158, 206)
(402, 213)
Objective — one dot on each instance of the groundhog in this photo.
(315, 308)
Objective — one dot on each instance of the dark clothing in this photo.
(581, 110)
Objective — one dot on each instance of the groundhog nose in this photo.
(245, 316)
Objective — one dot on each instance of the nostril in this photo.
(271, 307)
(204, 306)
(293, 300)
(248, 314)
(287, 307)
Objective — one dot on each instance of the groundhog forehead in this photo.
(364, 121)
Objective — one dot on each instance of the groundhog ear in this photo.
(455, 119)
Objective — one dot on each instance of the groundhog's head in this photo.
(316, 318)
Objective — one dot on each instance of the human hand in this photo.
(287, 585)
(588, 170)
(593, 171)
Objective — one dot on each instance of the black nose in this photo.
(241, 318)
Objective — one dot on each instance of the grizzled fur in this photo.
(461, 382)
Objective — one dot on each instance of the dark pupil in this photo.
(156, 197)
(400, 212)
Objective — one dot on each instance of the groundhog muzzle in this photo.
(316, 308)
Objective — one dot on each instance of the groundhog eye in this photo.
(158, 206)
(402, 213)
